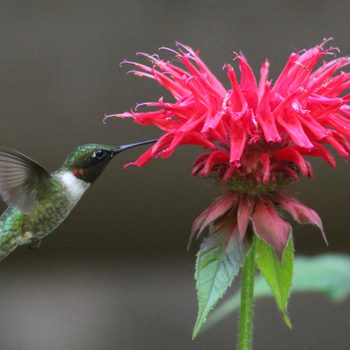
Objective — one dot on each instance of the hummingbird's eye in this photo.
(99, 154)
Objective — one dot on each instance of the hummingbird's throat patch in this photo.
(79, 173)
(84, 174)
(90, 173)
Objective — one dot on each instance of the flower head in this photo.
(257, 132)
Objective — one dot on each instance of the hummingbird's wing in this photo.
(21, 180)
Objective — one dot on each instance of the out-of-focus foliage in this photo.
(328, 274)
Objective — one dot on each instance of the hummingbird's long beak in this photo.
(121, 148)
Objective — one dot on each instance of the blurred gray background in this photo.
(116, 274)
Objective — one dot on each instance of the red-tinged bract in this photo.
(257, 133)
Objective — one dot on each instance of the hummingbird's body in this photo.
(39, 201)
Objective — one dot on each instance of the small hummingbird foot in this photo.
(34, 244)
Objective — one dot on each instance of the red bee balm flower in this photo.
(257, 133)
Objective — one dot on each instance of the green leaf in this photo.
(277, 272)
(218, 263)
(328, 274)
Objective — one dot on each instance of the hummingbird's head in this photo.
(87, 162)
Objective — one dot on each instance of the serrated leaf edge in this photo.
(202, 314)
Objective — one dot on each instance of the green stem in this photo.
(247, 301)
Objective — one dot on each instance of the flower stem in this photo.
(247, 301)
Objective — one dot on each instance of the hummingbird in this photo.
(39, 201)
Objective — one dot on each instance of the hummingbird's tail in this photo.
(9, 235)
(8, 243)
